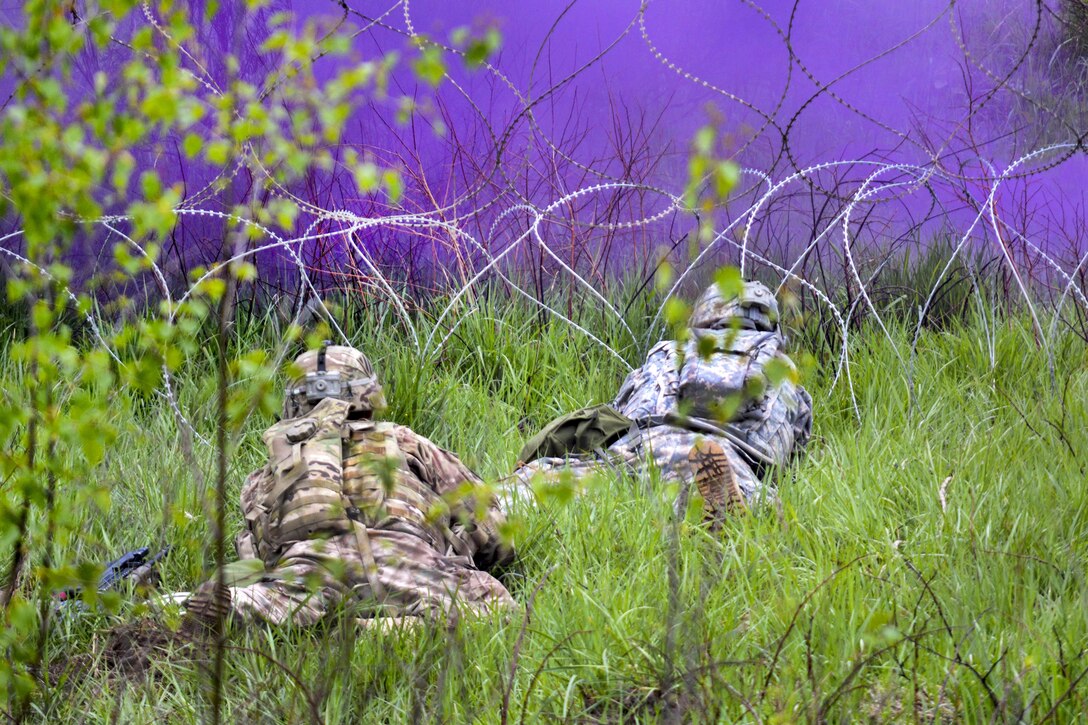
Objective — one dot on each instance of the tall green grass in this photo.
(925, 563)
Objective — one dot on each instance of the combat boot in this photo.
(716, 481)
(207, 604)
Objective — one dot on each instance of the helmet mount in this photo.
(754, 308)
(334, 371)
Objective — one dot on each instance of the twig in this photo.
(796, 614)
(505, 711)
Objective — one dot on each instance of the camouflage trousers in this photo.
(663, 447)
(314, 577)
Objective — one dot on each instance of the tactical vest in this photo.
(688, 391)
(392, 490)
(737, 360)
(328, 476)
(303, 496)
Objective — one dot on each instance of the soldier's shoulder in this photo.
(254, 482)
(259, 474)
(663, 347)
(405, 436)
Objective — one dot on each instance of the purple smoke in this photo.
(596, 92)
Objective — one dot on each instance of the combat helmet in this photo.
(755, 309)
(334, 371)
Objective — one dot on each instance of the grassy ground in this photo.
(925, 563)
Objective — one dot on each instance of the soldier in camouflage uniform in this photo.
(350, 510)
(703, 410)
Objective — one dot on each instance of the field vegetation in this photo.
(924, 563)
(193, 193)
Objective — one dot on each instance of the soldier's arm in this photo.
(491, 550)
(651, 389)
(475, 521)
(246, 541)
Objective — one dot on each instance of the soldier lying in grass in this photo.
(352, 511)
(719, 409)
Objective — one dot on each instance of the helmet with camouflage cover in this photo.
(334, 371)
(755, 309)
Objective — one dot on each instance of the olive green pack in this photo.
(582, 431)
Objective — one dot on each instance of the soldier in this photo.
(348, 509)
(703, 411)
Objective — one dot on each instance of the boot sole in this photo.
(715, 479)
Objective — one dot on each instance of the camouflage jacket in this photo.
(383, 474)
(766, 423)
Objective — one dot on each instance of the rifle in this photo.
(134, 565)
(726, 430)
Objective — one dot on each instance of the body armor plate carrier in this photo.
(330, 476)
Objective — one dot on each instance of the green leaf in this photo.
(706, 346)
(42, 316)
(214, 288)
(754, 387)
(481, 49)
(676, 312)
(430, 66)
(704, 140)
(726, 407)
(122, 171)
(726, 177)
(243, 572)
(94, 449)
(150, 185)
(284, 211)
(779, 369)
(459, 35)
(245, 272)
(394, 184)
(217, 151)
(729, 281)
(367, 177)
(511, 531)
(192, 145)
(664, 276)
